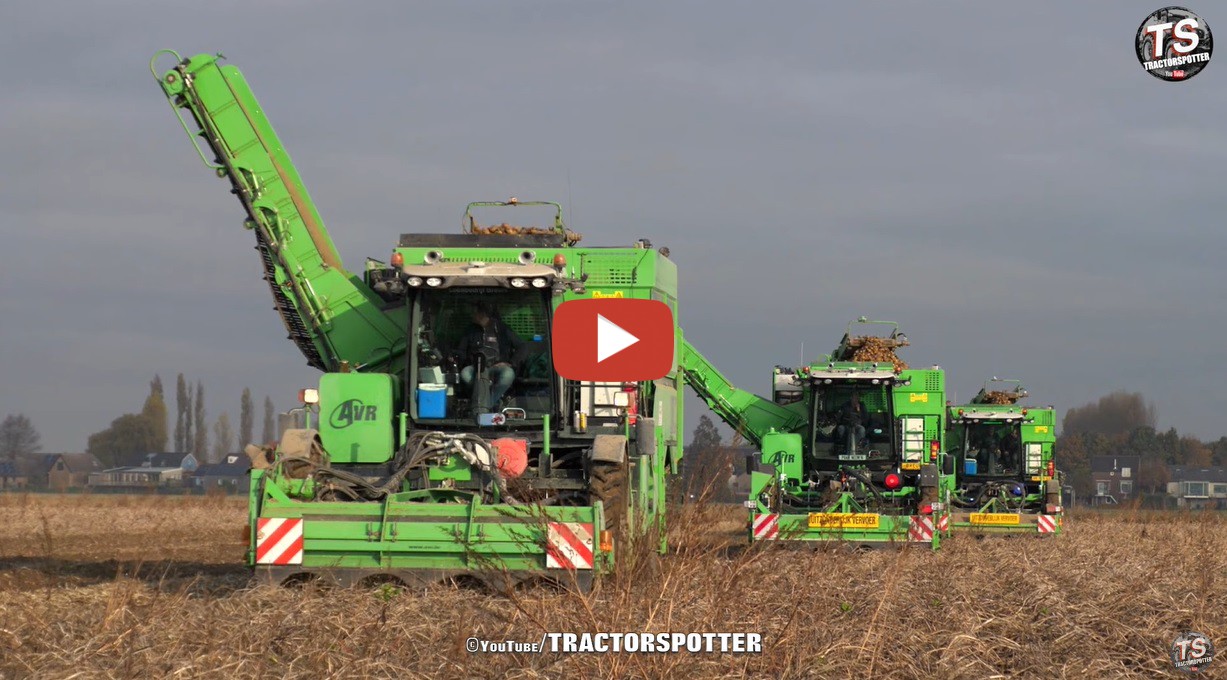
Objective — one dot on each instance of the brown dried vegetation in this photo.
(138, 587)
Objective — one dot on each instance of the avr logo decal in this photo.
(1174, 44)
(349, 412)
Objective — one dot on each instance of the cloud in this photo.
(1034, 207)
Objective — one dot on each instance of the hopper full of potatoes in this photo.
(870, 348)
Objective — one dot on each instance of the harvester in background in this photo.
(850, 447)
(446, 446)
(1007, 480)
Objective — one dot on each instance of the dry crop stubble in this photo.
(133, 586)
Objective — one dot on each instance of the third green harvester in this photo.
(1007, 479)
(446, 445)
(830, 470)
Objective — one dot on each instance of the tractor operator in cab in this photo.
(497, 345)
(1010, 450)
(851, 419)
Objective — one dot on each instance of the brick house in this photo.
(64, 471)
(1114, 479)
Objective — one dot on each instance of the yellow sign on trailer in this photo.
(843, 520)
(994, 518)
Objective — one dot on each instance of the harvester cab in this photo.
(1006, 479)
(869, 465)
(852, 413)
(479, 325)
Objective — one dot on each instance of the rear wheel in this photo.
(608, 484)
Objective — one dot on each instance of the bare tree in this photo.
(200, 446)
(189, 423)
(18, 437)
(223, 437)
(182, 417)
(247, 419)
(270, 422)
(154, 411)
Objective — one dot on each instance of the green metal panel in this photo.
(400, 535)
(922, 392)
(892, 529)
(455, 469)
(356, 417)
(785, 452)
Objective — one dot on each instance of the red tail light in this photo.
(933, 448)
(926, 509)
(893, 481)
(1052, 469)
(632, 402)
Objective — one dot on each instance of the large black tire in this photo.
(607, 482)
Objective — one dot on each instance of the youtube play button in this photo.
(613, 340)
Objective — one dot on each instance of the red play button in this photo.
(613, 340)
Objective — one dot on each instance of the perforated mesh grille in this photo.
(611, 270)
(874, 401)
(525, 318)
(483, 258)
(526, 321)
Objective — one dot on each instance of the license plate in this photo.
(910, 466)
(994, 518)
(843, 520)
(854, 456)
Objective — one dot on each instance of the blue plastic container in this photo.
(969, 466)
(432, 400)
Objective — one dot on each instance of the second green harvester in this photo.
(1007, 478)
(850, 446)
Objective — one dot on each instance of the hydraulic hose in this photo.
(864, 479)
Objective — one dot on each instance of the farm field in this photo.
(126, 586)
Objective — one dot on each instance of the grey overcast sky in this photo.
(1002, 179)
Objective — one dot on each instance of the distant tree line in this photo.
(133, 435)
(1123, 423)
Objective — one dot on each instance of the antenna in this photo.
(802, 352)
(570, 203)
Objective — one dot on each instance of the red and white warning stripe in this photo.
(766, 527)
(1047, 524)
(943, 523)
(921, 529)
(278, 541)
(568, 545)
